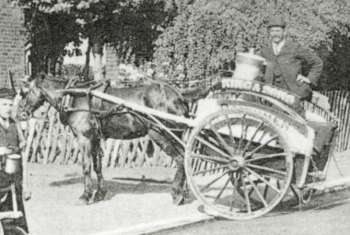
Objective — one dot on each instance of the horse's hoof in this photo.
(83, 201)
(100, 195)
(85, 198)
(178, 200)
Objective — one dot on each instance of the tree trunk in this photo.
(86, 70)
(97, 52)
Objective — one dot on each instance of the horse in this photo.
(90, 128)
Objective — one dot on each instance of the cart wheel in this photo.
(238, 163)
(11, 229)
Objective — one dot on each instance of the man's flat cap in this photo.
(276, 21)
(6, 93)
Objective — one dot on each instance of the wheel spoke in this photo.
(265, 156)
(223, 189)
(265, 190)
(264, 168)
(278, 184)
(235, 186)
(262, 137)
(209, 170)
(213, 147)
(257, 191)
(214, 159)
(242, 133)
(222, 141)
(262, 146)
(229, 125)
(213, 181)
(253, 136)
(263, 179)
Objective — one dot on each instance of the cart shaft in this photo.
(134, 106)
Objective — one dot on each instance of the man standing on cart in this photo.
(284, 62)
(10, 147)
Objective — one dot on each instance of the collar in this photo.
(280, 44)
(4, 123)
(277, 47)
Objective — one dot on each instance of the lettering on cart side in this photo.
(256, 87)
(279, 122)
(279, 94)
(259, 88)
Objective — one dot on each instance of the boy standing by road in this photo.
(10, 148)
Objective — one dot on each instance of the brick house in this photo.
(12, 42)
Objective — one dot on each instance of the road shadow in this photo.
(323, 201)
(318, 202)
(119, 185)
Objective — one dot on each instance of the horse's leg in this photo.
(97, 163)
(178, 191)
(166, 143)
(86, 152)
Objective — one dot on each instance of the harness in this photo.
(64, 105)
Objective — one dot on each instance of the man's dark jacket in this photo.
(282, 70)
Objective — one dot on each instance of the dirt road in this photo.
(131, 204)
(325, 215)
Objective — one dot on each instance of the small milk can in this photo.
(248, 66)
(13, 163)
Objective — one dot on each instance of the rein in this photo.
(50, 100)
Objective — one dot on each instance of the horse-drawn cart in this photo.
(251, 147)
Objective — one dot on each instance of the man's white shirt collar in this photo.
(278, 47)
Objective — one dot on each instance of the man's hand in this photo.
(301, 78)
(22, 144)
(5, 151)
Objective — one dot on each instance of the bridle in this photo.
(46, 97)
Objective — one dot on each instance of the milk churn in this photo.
(248, 66)
(13, 163)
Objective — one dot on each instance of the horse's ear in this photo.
(42, 76)
(23, 82)
(38, 79)
(34, 83)
(24, 89)
(22, 92)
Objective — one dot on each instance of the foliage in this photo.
(134, 30)
(207, 34)
(74, 70)
(49, 34)
(336, 63)
(53, 23)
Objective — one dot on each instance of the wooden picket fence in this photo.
(48, 141)
(340, 107)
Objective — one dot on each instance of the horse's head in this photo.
(32, 95)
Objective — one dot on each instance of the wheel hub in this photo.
(236, 163)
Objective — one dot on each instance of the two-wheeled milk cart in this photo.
(250, 148)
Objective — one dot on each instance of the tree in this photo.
(134, 30)
(49, 34)
(336, 63)
(99, 21)
(208, 33)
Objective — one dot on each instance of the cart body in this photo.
(264, 165)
